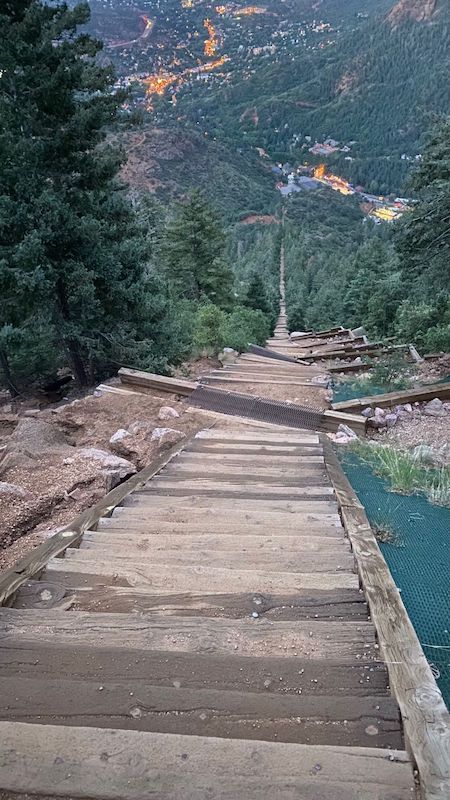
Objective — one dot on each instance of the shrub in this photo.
(245, 326)
(208, 328)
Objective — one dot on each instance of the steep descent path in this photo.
(209, 640)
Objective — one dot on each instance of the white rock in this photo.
(408, 408)
(435, 408)
(167, 412)
(11, 490)
(166, 435)
(122, 442)
(390, 420)
(344, 430)
(107, 460)
(367, 412)
(379, 412)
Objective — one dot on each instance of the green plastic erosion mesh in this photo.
(414, 537)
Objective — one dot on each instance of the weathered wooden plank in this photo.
(165, 579)
(425, 717)
(429, 392)
(271, 380)
(239, 673)
(309, 487)
(150, 380)
(31, 564)
(104, 763)
(312, 639)
(338, 604)
(238, 460)
(141, 543)
(275, 561)
(332, 419)
(258, 437)
(246, 471)
(199, 522)
(138, 705)
(235, 505)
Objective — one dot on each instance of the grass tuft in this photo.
(405, 472)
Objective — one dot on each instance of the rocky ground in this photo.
(56, 462)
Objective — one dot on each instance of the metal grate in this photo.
(261, 409)
(263, 351)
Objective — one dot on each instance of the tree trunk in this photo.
(4, 364)
(72, 346)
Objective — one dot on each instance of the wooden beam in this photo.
(425, 717)
(106, 763)
(350, 368)
(150, 380)
(440, 390)
(332, 420)
(33, 562)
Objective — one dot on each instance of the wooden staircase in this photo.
(209, 640)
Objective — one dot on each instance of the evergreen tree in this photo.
(194, 252)
(256, 296)
(71, 248)
(424, 240)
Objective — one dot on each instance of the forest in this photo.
(92, 275)
(394, 280)
(95, 274)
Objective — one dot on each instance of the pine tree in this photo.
(256, 296)
(71, 248)
(424, 240)
(194, 252)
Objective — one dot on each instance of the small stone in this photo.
(390, 420)
(367, 412)
(435, 408)
(167, 412)
(166, 435)
(346, 431)
(12, 490)
(121, 441)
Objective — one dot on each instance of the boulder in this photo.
(377, 422)
(10, 491)
(435, 408)
(35, 436)
(114, 468)
(344, 430)
(367, 412)
(167, 412)
(166, 435)
(390, 420)
(122, 442)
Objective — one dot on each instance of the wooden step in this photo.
(195, 507)
(238, 459)
(187, 670)
(98, 595)
(105, 763)
(140, 543)
(312, 639)
(126, 520)
(258, 437)
(165, 579)
(275, 561)
(246, 471)
(138, 705)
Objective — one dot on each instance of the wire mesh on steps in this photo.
(263, 351)
(257, 408)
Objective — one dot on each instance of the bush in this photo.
(245, 326)
(208, 328)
